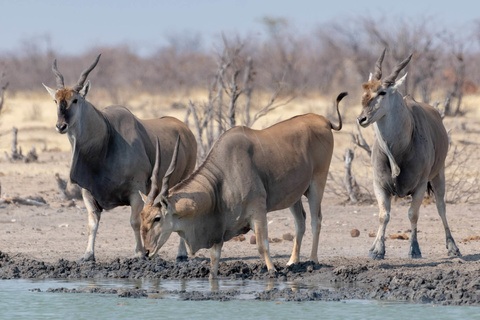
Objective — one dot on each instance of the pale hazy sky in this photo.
(75, 26)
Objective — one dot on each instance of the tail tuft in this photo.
(339, 98)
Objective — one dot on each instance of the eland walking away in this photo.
(246, 174)
(408, 154)
(113, 153)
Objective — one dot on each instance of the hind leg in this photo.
(315, 196)
(438, 186)
(299, 216)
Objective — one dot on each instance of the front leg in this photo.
(136, 206)
(215, 252)
(413, 214)
(94, 214)
(182, 251)
(261, 233)
(377, 251)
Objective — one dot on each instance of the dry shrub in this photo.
(462, 175)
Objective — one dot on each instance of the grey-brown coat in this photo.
(113, 153)
(408, 154)
(246, 174)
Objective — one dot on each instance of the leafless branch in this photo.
(350, 183)
(360, 141)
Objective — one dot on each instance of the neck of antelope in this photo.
(90, 130)
(396, 127)
(194, 204)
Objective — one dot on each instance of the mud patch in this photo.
(445, 282)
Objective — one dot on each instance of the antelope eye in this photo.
(156, 219)
(382, 93)
(74, 101)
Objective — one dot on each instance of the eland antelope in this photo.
(113, 153)
(246, 174)
(408, 155)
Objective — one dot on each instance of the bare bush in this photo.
(462, 182)
(17, 154)
(230, 97)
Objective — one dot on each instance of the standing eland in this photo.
(246, 174)
(408, 154)
(113, 153)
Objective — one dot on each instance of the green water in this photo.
(17, 302)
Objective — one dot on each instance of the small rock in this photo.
(274, 240)
(253, 240)
(372, 234)
(240, 238)
(471, 238)
(355, 233)
(402, 236)
(288, 237)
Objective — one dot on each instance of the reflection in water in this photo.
(214, 285)
(196, 284)
(19, 299)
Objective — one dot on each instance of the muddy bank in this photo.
(444, 281)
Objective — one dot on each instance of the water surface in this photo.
(18, 302)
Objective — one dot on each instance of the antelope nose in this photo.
(61, 127)
(361, 119)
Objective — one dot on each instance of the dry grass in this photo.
(35, 116)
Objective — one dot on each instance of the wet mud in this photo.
(454, 281)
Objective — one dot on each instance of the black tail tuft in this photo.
(339, 98)
(430, 189)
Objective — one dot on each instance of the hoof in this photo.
(414, 252)
(89, 258)
(273, 273)
(454, 253)
(291, 263)
(376, 256)
(182, 258)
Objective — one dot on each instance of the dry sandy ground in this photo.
(58, 229)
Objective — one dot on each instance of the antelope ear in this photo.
(85, 89)
(164, 203)
(399, 82)
(50, 91)
(144, 197)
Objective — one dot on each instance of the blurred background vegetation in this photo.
(337, 56)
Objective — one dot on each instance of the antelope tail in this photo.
(339, 98)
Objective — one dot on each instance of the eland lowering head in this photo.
(408, 154)
(246, 174)
(114, 153)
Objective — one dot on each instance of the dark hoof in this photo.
(454, 253)
(182, 258)
(376, 256)
(415, 252)
(88, 259)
